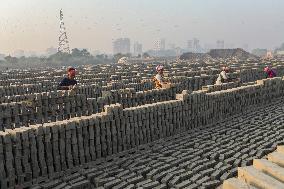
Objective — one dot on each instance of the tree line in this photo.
(76, 57)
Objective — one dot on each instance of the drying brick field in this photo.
(117, 131)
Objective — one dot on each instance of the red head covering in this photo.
(71, 72)
(266, 69)
(159, 68)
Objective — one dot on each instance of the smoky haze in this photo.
(33, 25)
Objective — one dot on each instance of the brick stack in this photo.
(70, 143)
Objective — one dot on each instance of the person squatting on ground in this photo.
(69, 82)
(269, 72)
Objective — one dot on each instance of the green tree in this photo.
(128, 55)
(59, 57)
(100, 56)
(117, 56)
(146, 55)
(76, 52)
(85, 53)
(11, 59)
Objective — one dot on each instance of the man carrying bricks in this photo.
(69, 82)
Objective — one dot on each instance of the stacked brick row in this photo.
(42, 108)
(9, 94)
(193, 83)
(44, 80)
(198, 158)
(225, 86)
(28, 74)
(23, 89)
(47, 150)
(107, 75)
(185, 83)
(56, 106)
(131, 98)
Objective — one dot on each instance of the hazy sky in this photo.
(93, 24)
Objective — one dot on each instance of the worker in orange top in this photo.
(159, 78)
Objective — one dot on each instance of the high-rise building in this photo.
(137, 49)
(121, 45)
(190, 45)
(196, 45)
(160, 44)
(220, 44)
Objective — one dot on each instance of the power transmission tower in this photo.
(63, 45)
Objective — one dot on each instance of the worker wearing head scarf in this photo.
(159, 78)
(269, 72)
(223, 76)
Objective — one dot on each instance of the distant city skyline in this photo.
(137, 48)
(121, 45)
(33, 25)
